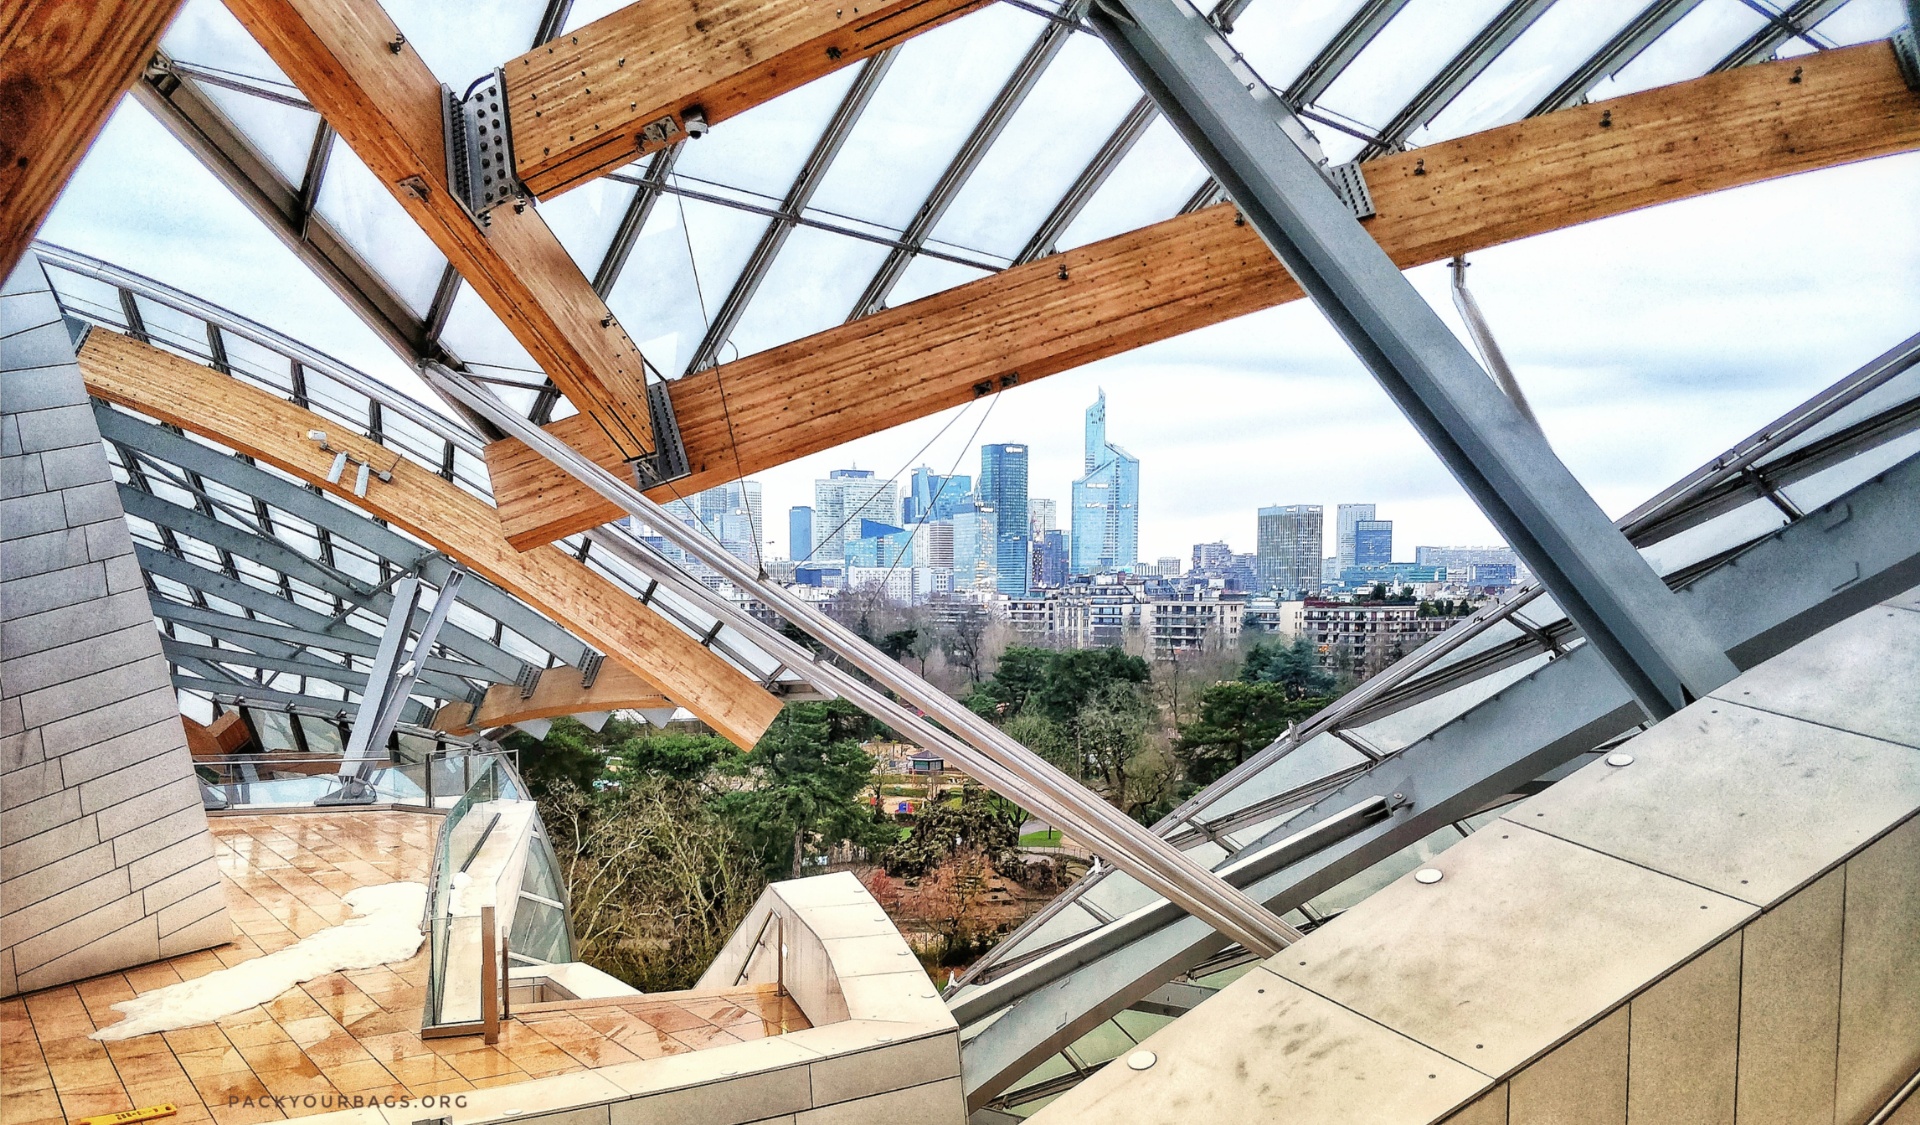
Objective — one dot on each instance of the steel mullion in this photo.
(1341, 50)
(947, 188)
(1653, 21)
(832, 139)
(1459, 73)
(1797, 22)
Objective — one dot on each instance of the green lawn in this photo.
(1047, 839)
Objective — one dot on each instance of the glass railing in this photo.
(475, 868)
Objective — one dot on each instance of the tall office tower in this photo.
(933, 544)
(1003, 484)
(1288, 548)
(841, 501)
(799, 532)
(1209, 556)
(932, 496)
(1347, 516)
(1043, 515)
(1050, 559)
(976, 534)
(1106, 502)
(749, 491)
(1373, 542)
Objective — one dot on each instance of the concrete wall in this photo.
(1719, 924)
(105, 857)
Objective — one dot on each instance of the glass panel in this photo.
(665, 297)
(931, 98)
(204, 32)
(1278, 40)
(540, 932)
(323, 737)
(1072, 110)
(585, 218)
(1862, 21)
(478, 337)
(464, 43)
(926, 276)
(811, 287)
(762, 150)
(274, 728)
(1565, 36)
(1406, 54)
(1151, 183)
(282, 133)
(1386, 871)
(1104, 1042)
(1687, 50)
(357, 205)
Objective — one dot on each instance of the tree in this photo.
(1295, 666)
(964, 641)
(1237, 720)
(806, 776)
(657, 879)
(571, 754)
(981, 822)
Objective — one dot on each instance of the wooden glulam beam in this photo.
(578, 107)
(63, 67)
(558, 693)
(198, 399)
(352, 63)
(1538, 175)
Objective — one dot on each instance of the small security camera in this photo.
(695, 122)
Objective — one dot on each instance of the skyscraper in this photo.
(932, 496)
(1043, 515)
(1373, 542)
(1003, 485)
(1348, 515)
(1289, 548)
(841, 501)
(1106, 502)
(799, 532)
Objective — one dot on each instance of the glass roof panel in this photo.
(763, 149)
(206, 33)
(463, 43)
(357, 205)
(1072, 110)
(476, 335)
(931, 98)
(1151, 183)
(1862, 21)
(931, 275)
(1694, 44)
(1565, 36)
(685, 259)
(583, 12)
(812, 286)
(1406, 54)
(282, 133)
(1279, 39)
(585, 218)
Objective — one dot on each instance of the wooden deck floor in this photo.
(353, 1033)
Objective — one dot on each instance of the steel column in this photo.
(1238, 128)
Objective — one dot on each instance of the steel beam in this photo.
(409, 673)
(1459, 73)
(1240, 131)
(1778, 593)
(271, 639)
(315, 508)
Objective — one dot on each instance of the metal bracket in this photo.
(479, 148)
(668, 461)
(529, 679)
(1906, 50)
(1350, 184)
(590, 663)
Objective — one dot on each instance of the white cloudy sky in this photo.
(1647, 343)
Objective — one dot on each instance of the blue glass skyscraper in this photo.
(1106, 502)
(1003, 486)
(934, 497)
(1373, 543)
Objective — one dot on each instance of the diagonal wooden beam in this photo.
(352, 63)
(172, 389)
(558, 693)
(1542, 174)
(63, 67)
(578, 107)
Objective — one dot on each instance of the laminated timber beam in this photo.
(198, 399)
(559, 692)
(63, 67)
(1542, 174)
(352, 63)
(581, 105)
